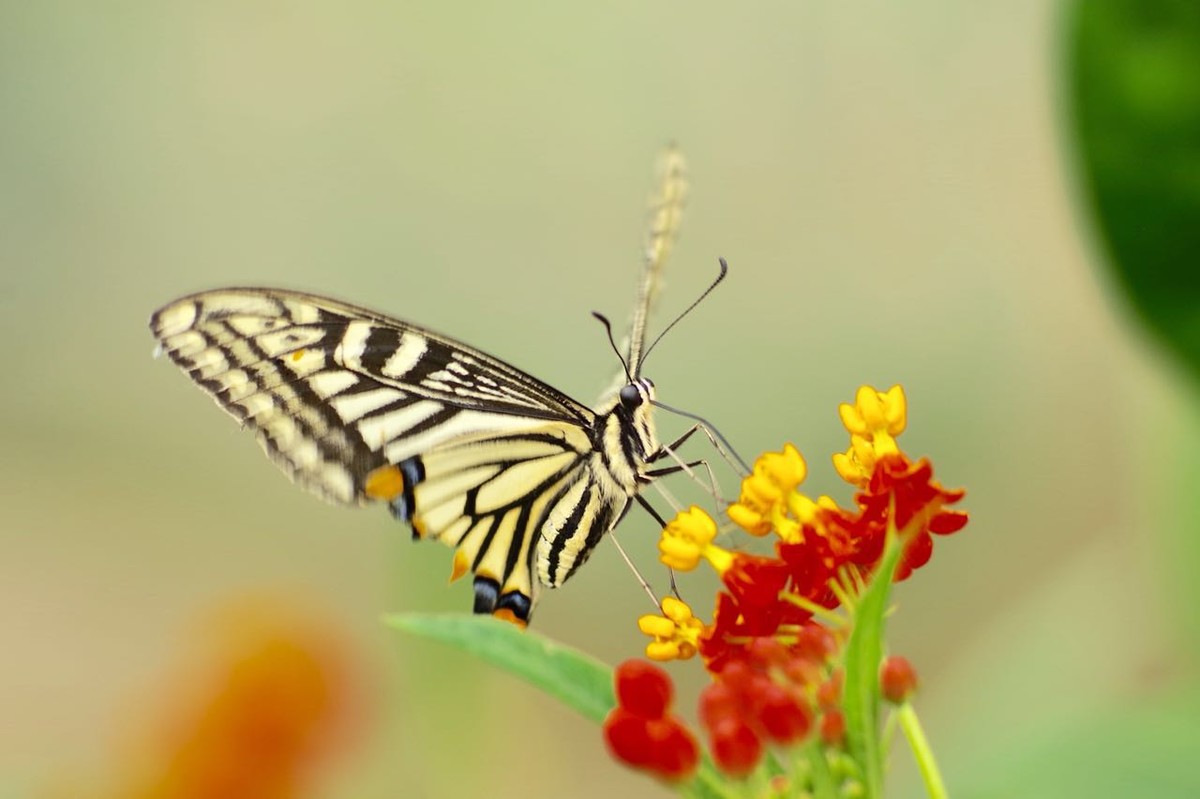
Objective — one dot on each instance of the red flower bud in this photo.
(783, 717)
(766, 652)
(627, 738)
(643, 688)
(815, 643)
(678, 754)
(661, 746)
(735, 747)
(898, 679)
(717, 702)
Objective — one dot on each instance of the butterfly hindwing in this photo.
(490, 496)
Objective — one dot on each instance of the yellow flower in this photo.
(676, 632)
(786, 469)
(768, 491)
(873, 421)
(687, 538)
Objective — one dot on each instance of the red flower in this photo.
(643, 688)
(811, 566)
(735, 747)
(755, 582)
(917, 503)
(276, 698)
(640, 731)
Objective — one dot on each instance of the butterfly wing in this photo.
(334, 391)
(356, 406)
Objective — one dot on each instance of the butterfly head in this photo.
(636, 422)
(636, 394)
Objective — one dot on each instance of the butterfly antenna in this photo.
(686, 311)
(713, 434)
(608, 327)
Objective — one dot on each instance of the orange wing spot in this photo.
(298, 354)
(461, 565)
(506, 614)
(384, 483)
(418, 526)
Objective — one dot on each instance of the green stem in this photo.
(822, 778)
(921, 751)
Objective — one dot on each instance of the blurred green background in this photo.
(898, 190)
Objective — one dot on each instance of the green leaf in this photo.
(573, 677)
(1135, 113)
(864, 652)
(578, 680)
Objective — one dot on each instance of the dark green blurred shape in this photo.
(1134, 84)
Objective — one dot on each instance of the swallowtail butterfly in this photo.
(358, 407)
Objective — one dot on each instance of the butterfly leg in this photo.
(663, 449)
(671, 572)
(668, 450)
(629, 562)
(735, 461)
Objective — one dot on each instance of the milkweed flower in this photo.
(775, 649)
(763, 504)
(676, 632)
(688, 538)
(874, 421)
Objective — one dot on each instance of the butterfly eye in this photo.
(631, 397)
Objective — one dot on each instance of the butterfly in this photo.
(359, 407)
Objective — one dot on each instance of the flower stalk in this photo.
(922, 751)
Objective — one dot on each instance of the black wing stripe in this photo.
(382, 342)
(575, 524)
(566, 531)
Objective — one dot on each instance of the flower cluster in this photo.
(759, 699)
(773, 647)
